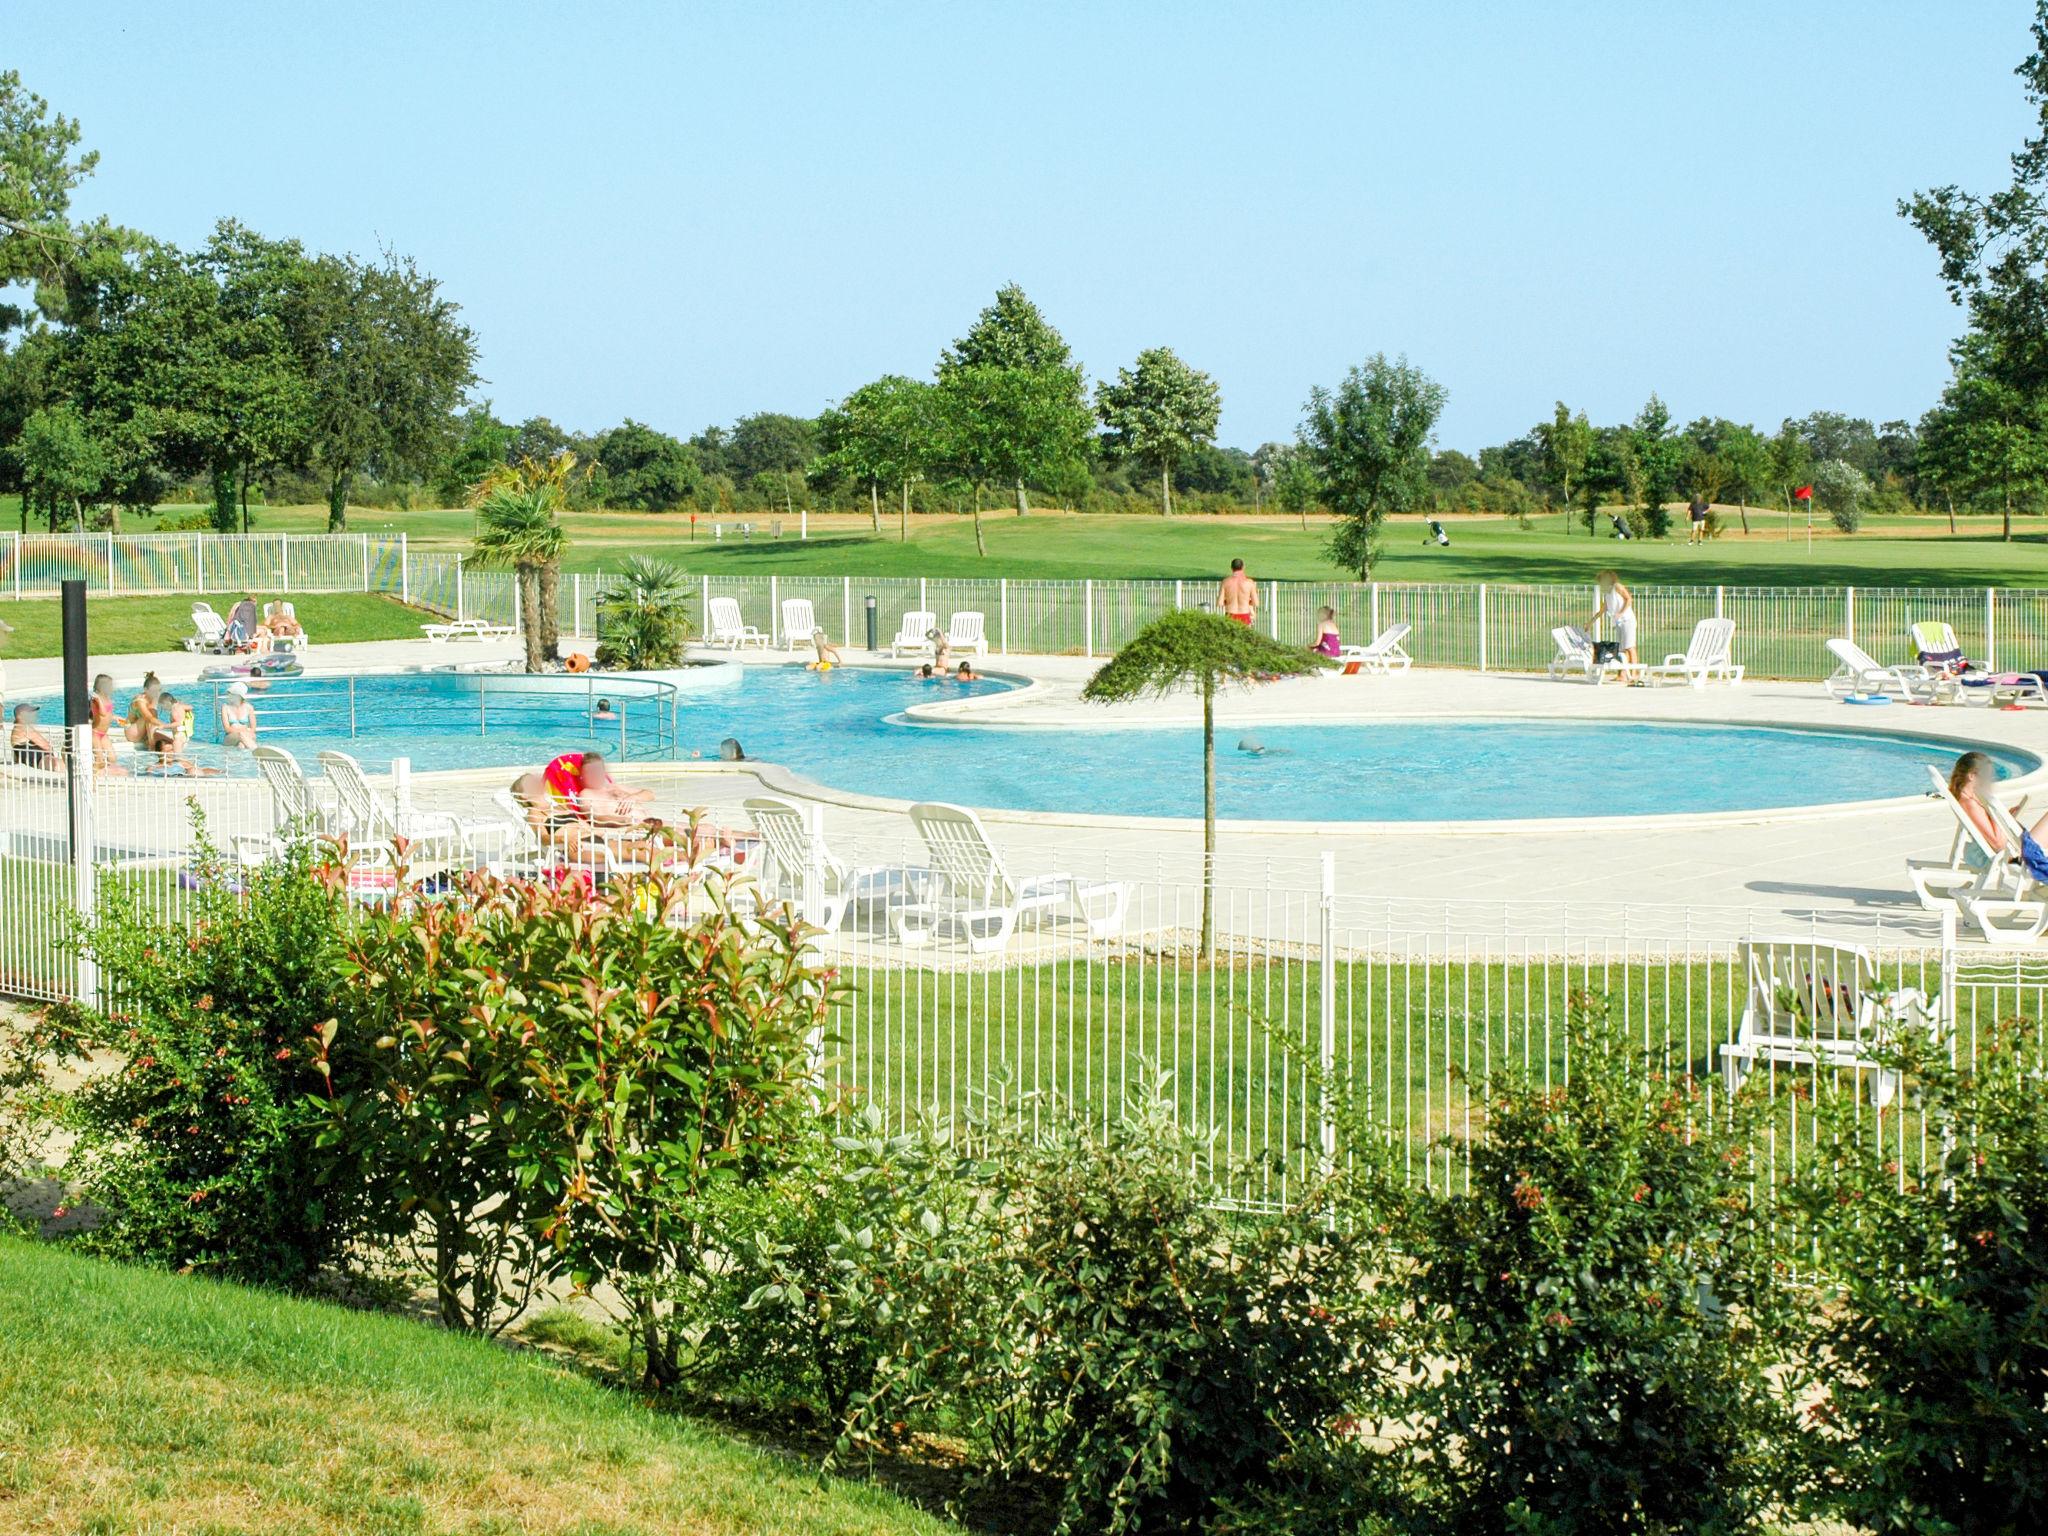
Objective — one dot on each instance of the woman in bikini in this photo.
(1972, 781)
(238, 717)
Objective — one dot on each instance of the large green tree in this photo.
(266, 360)
(40, 167)
(638, 467)
(390, 364)
(1740, 457)
(62, 466)
(1159, 411)
(1987, 441)
(881, 434)
(767, 448)
(1369, 442)
(1993, 247)
(999, 425)
(1013, 335)
(1567, 442)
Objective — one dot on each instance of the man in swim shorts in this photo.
(1238, 597)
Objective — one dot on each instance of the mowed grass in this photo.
(1891, 551)
(137, 1401)
(124, 625)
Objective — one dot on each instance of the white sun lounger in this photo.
(798, 621)
(967, 630)
(793, 846)
(209, 635)
(973, 893)
(1384, 655)
(1710, 654)
(436, 836)
(1812, 1004)
(1990, 885)
(728, 628)
(297, 815)
(1861, 673)
(467, 629)
(913, 635)
(1574, 657)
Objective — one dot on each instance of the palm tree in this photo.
(515, 516)
(1203, 651)
(641, 622)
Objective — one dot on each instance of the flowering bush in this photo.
(1929, 1410)
(1595, 1320)
(198, 1114)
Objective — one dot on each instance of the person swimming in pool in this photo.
(966, 673)
(604, 711)
(1251, 746)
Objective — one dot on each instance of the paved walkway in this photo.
(1839, 867)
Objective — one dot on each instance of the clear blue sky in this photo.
(684, 213)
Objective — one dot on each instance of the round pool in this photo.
(848, 730)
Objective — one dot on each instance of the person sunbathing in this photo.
(1973, 780)
(566, 825)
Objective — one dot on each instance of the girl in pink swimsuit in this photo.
(1328, 642)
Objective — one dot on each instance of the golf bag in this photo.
(1620, 528)
(1436, 535)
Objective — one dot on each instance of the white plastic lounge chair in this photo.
(1821, 1005)
(913, 634)
(792, 847)
(972, 891)
(1860, 673)
(1574, 657)
(436, 836)
(798, 621)
(1384, 655)
(967, 630)
(467, 629)
(209, 635)
(728, 628)
(1986, 883)
(1710, 654)
(1955, 680)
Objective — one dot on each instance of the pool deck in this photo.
(1715, 875)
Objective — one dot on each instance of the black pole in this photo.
(869, 604)
(77, 691)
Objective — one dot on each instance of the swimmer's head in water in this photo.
(731, 751)
(1250, 744)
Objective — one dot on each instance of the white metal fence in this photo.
(1413, 1013)
(1780, 632)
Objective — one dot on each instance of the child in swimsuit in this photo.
(1328, 642)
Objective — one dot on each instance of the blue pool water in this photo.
(847, 730)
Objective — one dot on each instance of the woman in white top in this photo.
(238, 717)
(1618, 607)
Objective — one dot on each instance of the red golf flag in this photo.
(1804, 493)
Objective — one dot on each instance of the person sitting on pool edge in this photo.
(1972, 781)
(28, 746)
(142, 719)
(1328, 642)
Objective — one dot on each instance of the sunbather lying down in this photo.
(574, 802)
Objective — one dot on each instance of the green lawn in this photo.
(137, 1401)
(123, 625)
(1892, 551)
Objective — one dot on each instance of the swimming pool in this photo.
(847, 730)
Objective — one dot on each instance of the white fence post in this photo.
(1991, 628)
(1372, 603)
(1719, 606)
(1088, 619)
(774, 615)
(199, 563)
(704, 605)
(922, 605)
(110, 565)
(846, 611)
(1273, 609)
(1849, 614)
(1326, 1011)
(459, 615)
(1003, 615)
(366, 561)
(1482, 626)
(1176, 594)
(813, 896)
(404, 571)
(17, 565)
(84, 868)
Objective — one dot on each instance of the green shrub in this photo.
(816, 1271)
(197, 1129)
(1594, 1320)
(1931, 1362)
(1101, 1323)
(642, 619)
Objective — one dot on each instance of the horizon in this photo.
(1709, 254)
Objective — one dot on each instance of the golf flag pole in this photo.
(1805, 493)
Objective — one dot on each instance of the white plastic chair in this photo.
(798, 621)
(913, 635)
(436, 836)
(1821, 1005)
(1384, 655)
(728, 628)
(967, 630)
(1710, 654)
(209, 635)
(971, 890)
(792, 846)
(1574, 657)
(1859, 672)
